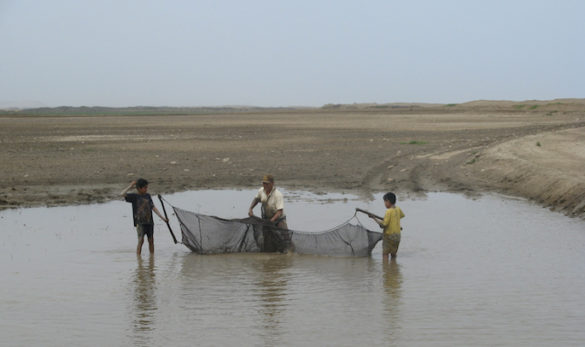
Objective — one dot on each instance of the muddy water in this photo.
(491, 271)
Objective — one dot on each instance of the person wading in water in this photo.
(273, 212)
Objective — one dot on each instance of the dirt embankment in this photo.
(530, 149)
(547, 167)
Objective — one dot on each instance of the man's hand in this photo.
(251, 213)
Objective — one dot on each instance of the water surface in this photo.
(489, 271)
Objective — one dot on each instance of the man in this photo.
(272, 211)
(272, 203)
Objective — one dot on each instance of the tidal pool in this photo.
(485, 271)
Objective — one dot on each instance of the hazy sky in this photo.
(287, 53)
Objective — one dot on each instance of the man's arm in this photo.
(125, 191)
(252, 205)
(279, 206)
(276, 216)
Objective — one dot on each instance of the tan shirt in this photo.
(271, 202)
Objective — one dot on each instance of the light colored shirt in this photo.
(271, 202)
(391, 221)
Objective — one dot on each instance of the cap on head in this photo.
(268, 179)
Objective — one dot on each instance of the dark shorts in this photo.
(145, 229)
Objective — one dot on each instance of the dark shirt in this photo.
(142, 206)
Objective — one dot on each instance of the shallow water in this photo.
(489, 271)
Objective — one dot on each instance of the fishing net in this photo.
(213, 235)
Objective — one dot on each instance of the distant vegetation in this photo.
(548, 108)
(138, 110)
(414, 142)
(529, 107)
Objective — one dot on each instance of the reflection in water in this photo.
(392, 287)
(272, 287)
(144, 300)
(426, 297)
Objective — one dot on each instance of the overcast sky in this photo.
(288, 53)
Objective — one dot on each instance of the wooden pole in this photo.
(167, 217)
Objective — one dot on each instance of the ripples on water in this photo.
(469, 272)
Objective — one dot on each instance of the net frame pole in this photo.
(368, 213)
(167, 217)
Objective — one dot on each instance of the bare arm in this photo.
(125, 191)
(159, 214)
(252, 205)
(276, 216)
(377, 220)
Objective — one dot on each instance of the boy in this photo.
(142, 207)
(391, 225)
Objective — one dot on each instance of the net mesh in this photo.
(213, 235)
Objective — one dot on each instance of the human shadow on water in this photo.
(144, 299)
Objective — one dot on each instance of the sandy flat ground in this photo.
(530, 149)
